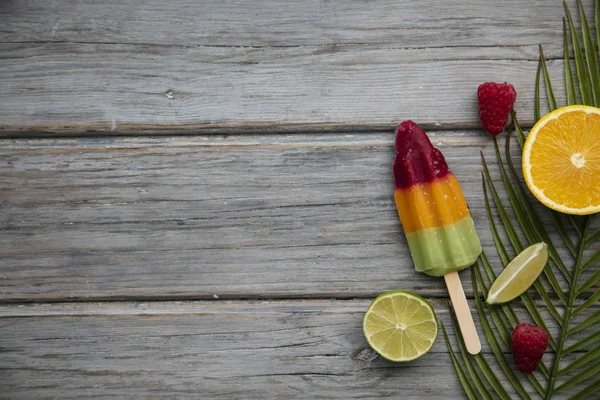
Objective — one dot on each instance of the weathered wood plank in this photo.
(264, 216)
(293, 23)
(282, 349)
(131, 67)
(70, 88)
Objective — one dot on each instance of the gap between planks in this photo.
(432, 295)
(248, 129)
(550, 57)
(195, 306)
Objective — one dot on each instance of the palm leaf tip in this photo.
(549, 91)
(569, 84)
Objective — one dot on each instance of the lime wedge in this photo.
(519, 274)
(400, 326)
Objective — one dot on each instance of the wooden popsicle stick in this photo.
(463, 313)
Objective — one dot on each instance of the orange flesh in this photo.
(567, 166)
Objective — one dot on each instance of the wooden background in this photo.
(197, 196)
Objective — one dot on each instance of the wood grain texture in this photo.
(282, 349)
(124, 88)
(293, 23)
(144, 67)
(237, 217)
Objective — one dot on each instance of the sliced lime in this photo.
(519, 274)
(400, 326)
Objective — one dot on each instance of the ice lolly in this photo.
(436, 220)
(435, 217)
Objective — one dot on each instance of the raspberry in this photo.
(528, 343)
(495, 102)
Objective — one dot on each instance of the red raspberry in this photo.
(495, 102)
(528, 343)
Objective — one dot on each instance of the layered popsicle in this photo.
(435, 217)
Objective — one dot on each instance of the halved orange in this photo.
(561, 160)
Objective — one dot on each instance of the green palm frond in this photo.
(562, 300)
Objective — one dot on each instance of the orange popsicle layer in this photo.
(431, 204)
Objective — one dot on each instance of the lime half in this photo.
(400, 326)
(519, 274)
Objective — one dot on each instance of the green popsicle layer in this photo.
(439, 250)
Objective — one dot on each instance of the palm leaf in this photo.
(569, 84)
(473, 372)
(459, 369)
(549, 91)
(598, 23)
(536, 108)
(561, 298)
(580, 66)
(597, 18)
(590, 56)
